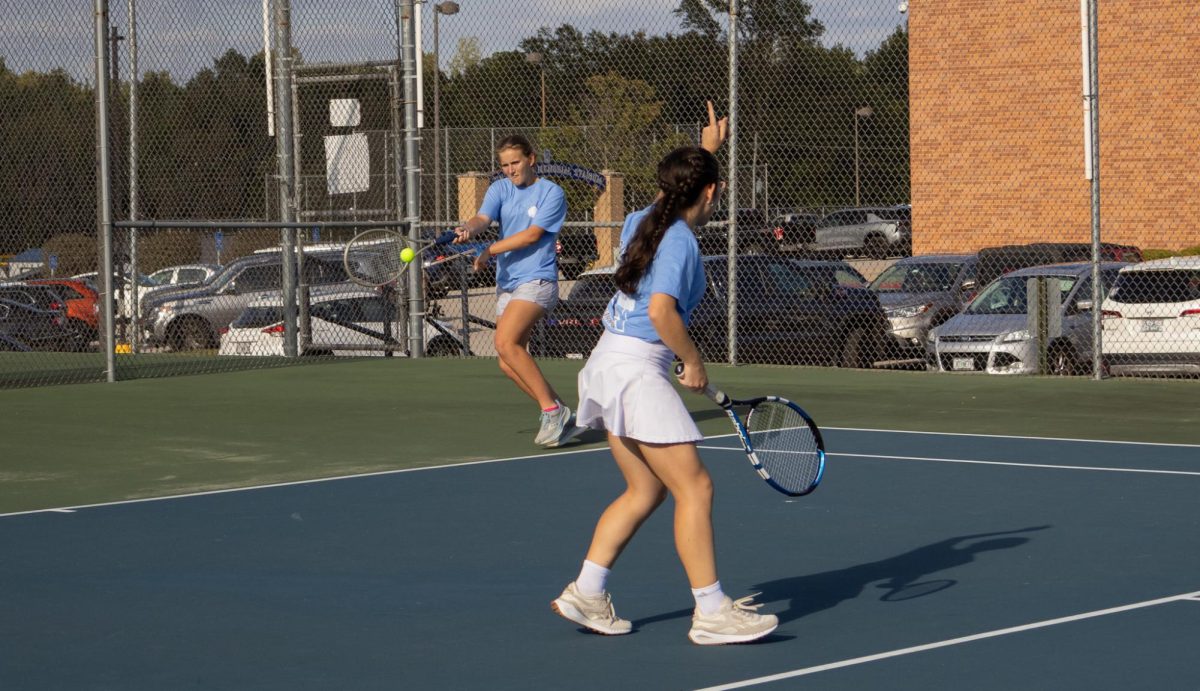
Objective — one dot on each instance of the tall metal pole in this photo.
(437, 122)
(731, 190)
(134, 272)
(283, 158)
(104, 186)
(412, 155)
(1094, 137)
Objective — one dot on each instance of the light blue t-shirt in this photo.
(541, 204)
(677, 270)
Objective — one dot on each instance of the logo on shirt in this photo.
(618, 311)
(532, 212)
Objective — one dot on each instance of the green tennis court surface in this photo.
(88, 443)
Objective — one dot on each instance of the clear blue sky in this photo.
(182, 37)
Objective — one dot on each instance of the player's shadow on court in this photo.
(902, 577)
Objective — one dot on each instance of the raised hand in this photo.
(713, 135)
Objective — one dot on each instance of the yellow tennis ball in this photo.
(407, 255)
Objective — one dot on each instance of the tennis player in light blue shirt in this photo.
(540, 204)
(531, 211)
(676, 271)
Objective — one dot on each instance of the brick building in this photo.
(997, 127)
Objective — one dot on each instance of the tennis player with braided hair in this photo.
(626, 388)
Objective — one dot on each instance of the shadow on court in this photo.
(900, 576)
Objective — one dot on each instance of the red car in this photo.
(83, 304)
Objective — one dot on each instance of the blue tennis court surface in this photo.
(923, 561)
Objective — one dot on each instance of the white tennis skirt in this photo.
(626, 388)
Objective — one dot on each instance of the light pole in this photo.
(863, 112)
(447, 8)
(537, 59)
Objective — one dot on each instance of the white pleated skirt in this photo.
(627, 388)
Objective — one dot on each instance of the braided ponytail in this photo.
(682, 176)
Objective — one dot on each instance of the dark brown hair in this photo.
(515, 141)
(682, 176)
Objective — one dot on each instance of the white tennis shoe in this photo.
(736, 622)
(557, 428)
(592, 613)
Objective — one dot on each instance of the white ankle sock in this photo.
(709, 598)
(592, 579)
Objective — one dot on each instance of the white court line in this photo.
(1012, 436)
(968, 461)
(953, 641)
(66, 509)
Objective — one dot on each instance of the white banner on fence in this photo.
(347, 163)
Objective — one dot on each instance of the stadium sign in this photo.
(568, 171)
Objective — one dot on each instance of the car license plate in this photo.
(243, 348)
(962, 363)
(1151, 325)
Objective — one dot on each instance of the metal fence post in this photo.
(284, 153)
(412, 202)
(731, 190)
(104, 187)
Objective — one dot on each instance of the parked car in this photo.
(992, 334)
(48, 298)
(997, 261)
(123, 289)
(577, 250)
(184, 274)
(83, 304)
(29, 327)
(353, 321)
(789, 311)
(189, 318)
(794, 233)
(1152, 318)
(875, 232)
(919, 293)
(756, 234)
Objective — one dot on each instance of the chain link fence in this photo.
(920, 186)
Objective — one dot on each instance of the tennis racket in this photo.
(372, 258)
(781, 441)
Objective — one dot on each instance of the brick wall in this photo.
(997, 123)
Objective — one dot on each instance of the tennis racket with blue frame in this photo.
(781, 441)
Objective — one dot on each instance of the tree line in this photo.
(614, 101)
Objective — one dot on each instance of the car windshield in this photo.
(1007, 295)
(916, 278)
(1134, 287)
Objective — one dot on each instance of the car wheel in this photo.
(1062, 361)
(875, 247)
(438, 287)
(86, 333)
(443, 347)
(859, 350)
(191, 334)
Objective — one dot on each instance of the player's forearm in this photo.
(670, 327)
(476, 225)
(525, 238)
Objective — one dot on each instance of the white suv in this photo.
(873, 232)
(1152, 318)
